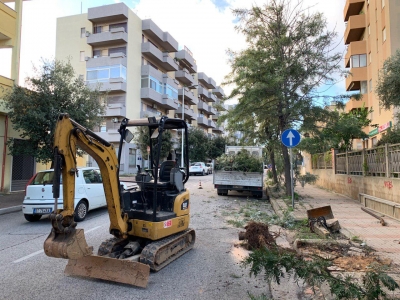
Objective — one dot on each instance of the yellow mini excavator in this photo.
(150, 224)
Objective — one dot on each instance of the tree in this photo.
(289, 56)
(198, 144)
(388, 85)
(34, 110)
(143, 141)
(216, 147)
(337, 131)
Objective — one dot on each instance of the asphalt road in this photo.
(211, 270)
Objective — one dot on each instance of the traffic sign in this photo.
(290, 138)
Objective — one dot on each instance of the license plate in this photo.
(237, 186)
(42, 210)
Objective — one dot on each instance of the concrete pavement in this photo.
(11, 202)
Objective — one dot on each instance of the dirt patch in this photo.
(258, 235)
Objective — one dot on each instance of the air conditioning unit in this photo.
(87, 33)
(87, 58)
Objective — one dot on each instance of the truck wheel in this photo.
(32, 218)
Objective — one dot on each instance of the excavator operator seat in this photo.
(165, 170)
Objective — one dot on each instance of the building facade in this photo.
(15, 170)
(143, 70)
(371, 36)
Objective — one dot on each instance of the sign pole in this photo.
(291, 176)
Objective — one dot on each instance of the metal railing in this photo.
(383, 161)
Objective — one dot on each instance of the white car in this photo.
(89, 194)
(198, 168)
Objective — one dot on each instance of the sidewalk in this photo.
(11, 202)
(353, 221)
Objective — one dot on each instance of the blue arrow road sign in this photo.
(290, 138)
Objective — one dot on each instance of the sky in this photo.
(206, 27)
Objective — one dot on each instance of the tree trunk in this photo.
(273, 166)
(288, 180)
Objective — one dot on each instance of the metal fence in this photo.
(383, 161)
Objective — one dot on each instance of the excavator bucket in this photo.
(111, 269)
(70, 245)
(324, 211)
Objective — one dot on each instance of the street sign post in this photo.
(291, 138)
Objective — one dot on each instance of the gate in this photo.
(23, 167)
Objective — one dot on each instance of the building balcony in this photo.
(108, 13)
(8, 26)
(187, 60)
(113, 37)
(189, 97)
(116, 110)
(202, 106)
(150, 113)
(203, 92)
(212, 110)
(158, 99)
(219, 92)
(353, 80)
(352, 8)
(355, 28)
(112, 85)
(202, 121)
(218, 129)
(5, 84)
(189, 113)
(111, 135)
(211, 124)
(164, 39)
(356, 104)
(216, 116)
(359, 47)
(208, 82)
(170, 81)
(184, 77)
(159, 58)
(112, 60)
(148, 70)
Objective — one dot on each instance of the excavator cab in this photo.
(149, 225)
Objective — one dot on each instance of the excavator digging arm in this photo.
(64, 240)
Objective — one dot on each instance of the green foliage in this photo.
(242, 161)
(54, 89)
(142, 140)
(198, 144)
(392, 136)
(216, 146)
(387, 87)
(307, 178)
(275, 263)
(338, 131)
(289, 55)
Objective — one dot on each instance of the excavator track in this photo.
(160, 253)
(109, 246)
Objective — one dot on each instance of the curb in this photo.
(10, 209)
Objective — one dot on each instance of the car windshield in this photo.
(43, 178)
(195, 164)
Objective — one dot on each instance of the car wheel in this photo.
(32, 218)
(81, 211)
(204, 173)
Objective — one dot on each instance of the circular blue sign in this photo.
(290, 138)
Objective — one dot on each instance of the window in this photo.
(171, 92)
(384, 34)
(132, 157)
(117, 50)
(82, 56)
(83, 32)
(102, 74)
(92, 176)
(370, 85)
(98, 29)
(96, 53)
(103, 127)
(363, 87)
(358, 61)
(119, 25)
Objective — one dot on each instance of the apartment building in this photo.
(143, 70)
(371, 36)
(15, 170)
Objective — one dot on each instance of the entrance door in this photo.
(23, 168)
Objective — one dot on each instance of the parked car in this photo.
(198, 168)
(210, 167)
(89, 194)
